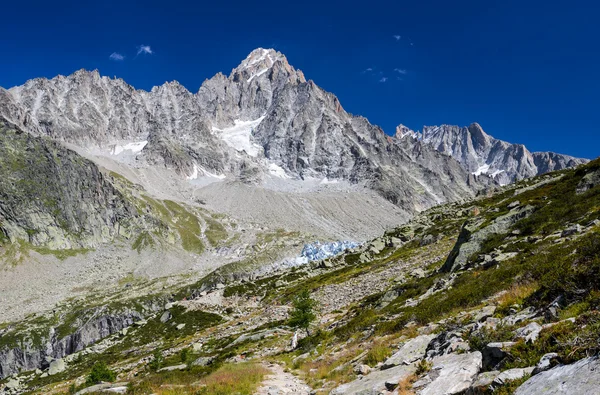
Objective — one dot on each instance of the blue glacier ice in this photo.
(317, 251)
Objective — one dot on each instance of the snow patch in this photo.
(328, 181)
(481, 170)
(277, 171)
(133, 147)
(497, 172)
(205, 172)
(257, 74)
(238, 136)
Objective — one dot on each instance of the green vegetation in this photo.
(303, 312)
(188, 226)
(377, 353)
(100, 372)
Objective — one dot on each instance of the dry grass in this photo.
(516, 294)
(239, 379)
(405, 386)
(378, 353)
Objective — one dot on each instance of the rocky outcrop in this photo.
(51, 196)
(581, 377)
(450, 374)
(471, 237)
(376, 382)
(38, 349)
(480, 153)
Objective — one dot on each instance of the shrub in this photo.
(100, 372)
(377, 353)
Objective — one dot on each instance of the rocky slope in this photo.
(520, 314)
(480, 153)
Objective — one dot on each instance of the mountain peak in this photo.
(261, 60)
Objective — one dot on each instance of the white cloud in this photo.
(116, 57)
(145, 49)
(368, 70)
(384, 79)
(401, 71)
(397, 37)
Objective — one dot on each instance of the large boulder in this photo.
(452, 374)
(376, 382)
(410, 352)
(471, 237)
(582, 377)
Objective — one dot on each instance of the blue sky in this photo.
(527, 71)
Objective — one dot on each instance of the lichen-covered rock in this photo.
(452, 374)
(409, 352)
(376, 382)
(582, 377)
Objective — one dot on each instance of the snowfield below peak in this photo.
(134, 148)
(238, 136)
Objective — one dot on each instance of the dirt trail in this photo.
(280, 383)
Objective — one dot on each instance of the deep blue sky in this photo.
(527, 71)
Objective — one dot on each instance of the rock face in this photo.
(34, 353)
(581, 377)
(263, 120)
(471, 236)
(480, 153)
(452, 374)
(410, 352)
(51, 196)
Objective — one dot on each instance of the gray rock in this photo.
(494, 353)
(514, 204)
(581, 377)
(547, 361)
(589, 181)
(172, 368)
(166, 316)
(511, 375)
(375, 382)
(529, 332)
(409, 352)
(482, 384)
(471, 237)
(115, 388)
(13, 384)
(56, 366)
(180, 326)
(362, 369)
(452, 374)
(571, 230)
(203, 361)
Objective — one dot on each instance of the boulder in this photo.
(203, 361)
(172, 368)
(514, 204)
(452, 374)
(582, 377)
(362, 369)
(494, 353)
(410, 352)
(114, 388)
(588, 182)
(180, 326)
(197, 347)
(571, 230)
(166, 316)
(547, 361)
(482, 384)
(510, 375)
(529, 332)
(56, 366)
(376, 382)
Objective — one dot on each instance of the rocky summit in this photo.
(255, 238)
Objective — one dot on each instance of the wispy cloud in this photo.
(397, 37)
(384, 79)
(144, 49)
(116, 57)
(400, 71)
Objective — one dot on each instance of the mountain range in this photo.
(265, 124)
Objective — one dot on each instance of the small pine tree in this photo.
(100, 372)
(303, 312)
(157, 362)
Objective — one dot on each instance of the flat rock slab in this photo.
(375, 382)
(114, 388)
(582, 377)
(452, 374)
(172, 368)
(410, 352)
